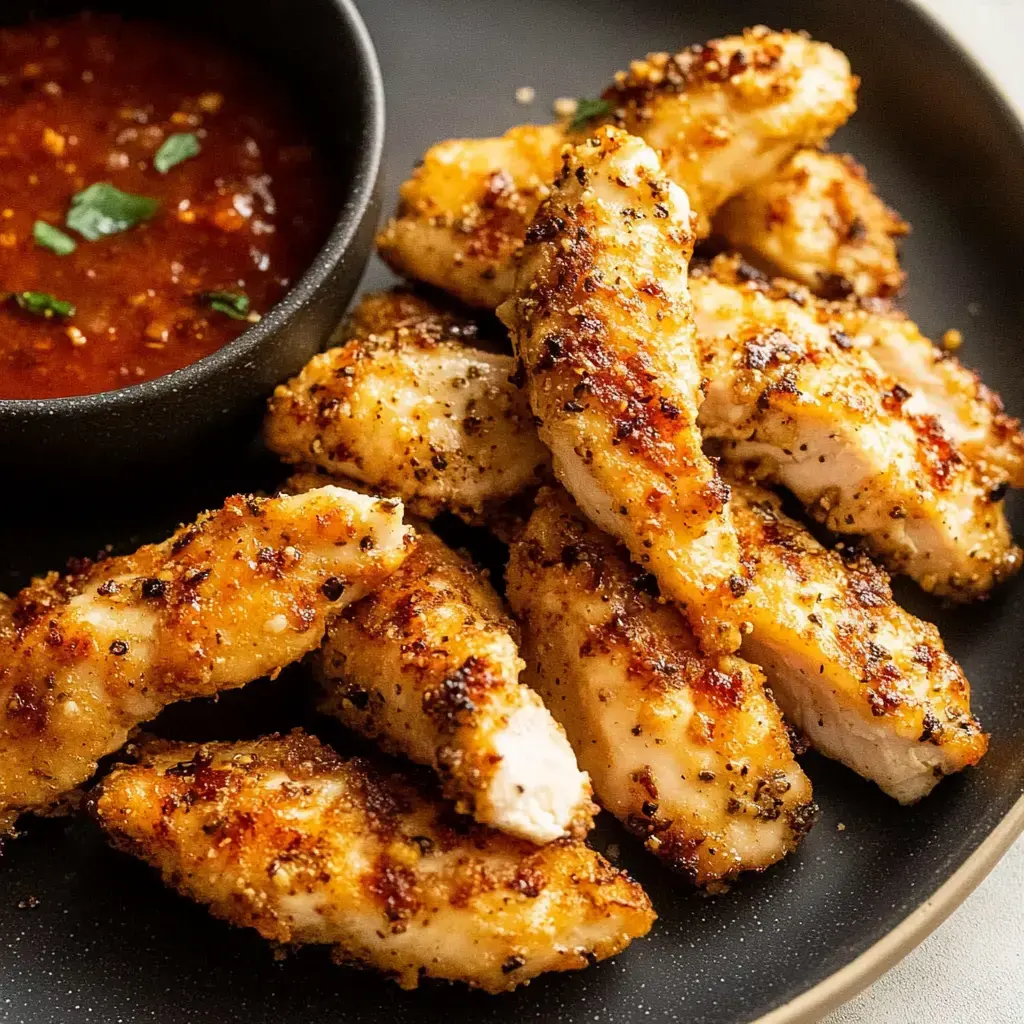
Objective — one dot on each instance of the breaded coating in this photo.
(728, 114)
(284, 836)
(723, 116)
(603, 328)
(401, 306)
(866, 682)
(970, 413)
(428, 666)
(234, 596)
(412, 410)
(463, 214)
(793, 400)
(819, 221)
(687, 751)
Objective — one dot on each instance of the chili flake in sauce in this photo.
(211, 184)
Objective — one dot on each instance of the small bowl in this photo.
(194, 415)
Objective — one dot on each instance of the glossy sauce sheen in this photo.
(91, 99)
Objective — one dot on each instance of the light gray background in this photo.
(971, 970)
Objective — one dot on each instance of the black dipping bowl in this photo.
(322, 55)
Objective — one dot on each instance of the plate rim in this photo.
(845, 983)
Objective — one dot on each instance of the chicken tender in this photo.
(428, 666)
(687, 751)
(793, 399)
(866, 682)
(284, 836)
(723, 116)
(234, 596)
(819, 221)
(413, 410)
(602, 324)
(970, 413)
(463, 214)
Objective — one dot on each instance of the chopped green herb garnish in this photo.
(43, 304)
(175, 150)
(53, 238)
(102, 210)
(232, 304)
(587, 111)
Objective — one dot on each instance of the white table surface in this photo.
(971, 969)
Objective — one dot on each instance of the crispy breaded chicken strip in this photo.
(723, 116)
(463, 214)
(819, 221)
(602, 325)
(941, 386)
(428, 666)
(791, 398)
(284, 836)
(234, 596)
(412, 410)
(687, 751)
(866, 682)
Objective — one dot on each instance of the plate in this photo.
(88, 935)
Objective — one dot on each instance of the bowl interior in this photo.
(324, 60)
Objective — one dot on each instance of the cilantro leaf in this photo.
(49, 237)
(102, 210)
(232, 304)
(43, 304)
(587, 111)
(175, 150)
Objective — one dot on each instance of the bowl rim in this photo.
(354, 206)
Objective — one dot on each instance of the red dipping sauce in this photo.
(94, 99)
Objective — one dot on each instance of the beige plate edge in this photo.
(813, 1004)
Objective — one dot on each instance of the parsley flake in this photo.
(102, 210)
(587, 111)
(49, 237)
(232, 304)
(175, 150)
(43, 304)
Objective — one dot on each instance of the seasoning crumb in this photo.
(78, 339)
(525, 95)
(613, 852)
(53, 142)
(565, 106)
(210, 102)
(952, 340)
(840, 827)
(29, 903)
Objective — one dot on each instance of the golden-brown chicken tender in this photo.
(819, 221)
(866, 682)
(602, 324)
(412, 408)
(428, 666)
(234, 596)
(284, 836)
(688, 752)
(723, 116)
(464, 212)
(792, 399)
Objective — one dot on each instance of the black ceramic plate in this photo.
(107, 943)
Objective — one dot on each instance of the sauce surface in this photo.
(92, 99)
